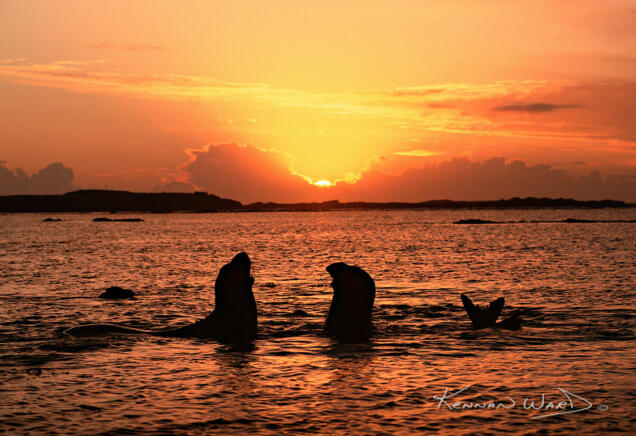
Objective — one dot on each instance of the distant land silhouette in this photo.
(125, 201)
(117, 201)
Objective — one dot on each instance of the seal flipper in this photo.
(494, 309)
(468, 305)
(483, 318)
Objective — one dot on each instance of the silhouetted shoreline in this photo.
(118, 201)
(202, 202)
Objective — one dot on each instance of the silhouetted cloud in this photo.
(536, 107)
(246, 173)
(249, 174)
(54, 179)
(461, 179)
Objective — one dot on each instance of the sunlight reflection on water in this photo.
(577, 282)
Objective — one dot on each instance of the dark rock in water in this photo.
(474, 221)
(117, 293)
(349, 317)
(50, 220)
(299, 313)
(89, 407)
(120, 220)
(270, 285)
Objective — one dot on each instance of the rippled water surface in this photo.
(576, 283)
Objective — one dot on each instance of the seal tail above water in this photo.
(483, 318)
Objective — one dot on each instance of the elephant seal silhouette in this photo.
(234, 319)
(349, 317)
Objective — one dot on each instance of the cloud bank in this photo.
(53, 179)
(461, 179)
(249, 174)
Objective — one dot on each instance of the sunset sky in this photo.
(303, 100)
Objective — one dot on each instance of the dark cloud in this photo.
(54, 179)
(536, 107)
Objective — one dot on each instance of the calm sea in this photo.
(576, 283)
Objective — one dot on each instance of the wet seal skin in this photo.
(486, 318)
(349, 317)
(234, 319)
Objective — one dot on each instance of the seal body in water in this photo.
(233, 320)
(349, 317)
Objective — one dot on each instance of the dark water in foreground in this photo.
(576, 281)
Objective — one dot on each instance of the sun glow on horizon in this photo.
(282, 102)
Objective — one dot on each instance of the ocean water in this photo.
(575, 282)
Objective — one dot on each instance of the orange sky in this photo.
(276, 95)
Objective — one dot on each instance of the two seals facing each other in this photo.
(234, 319)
